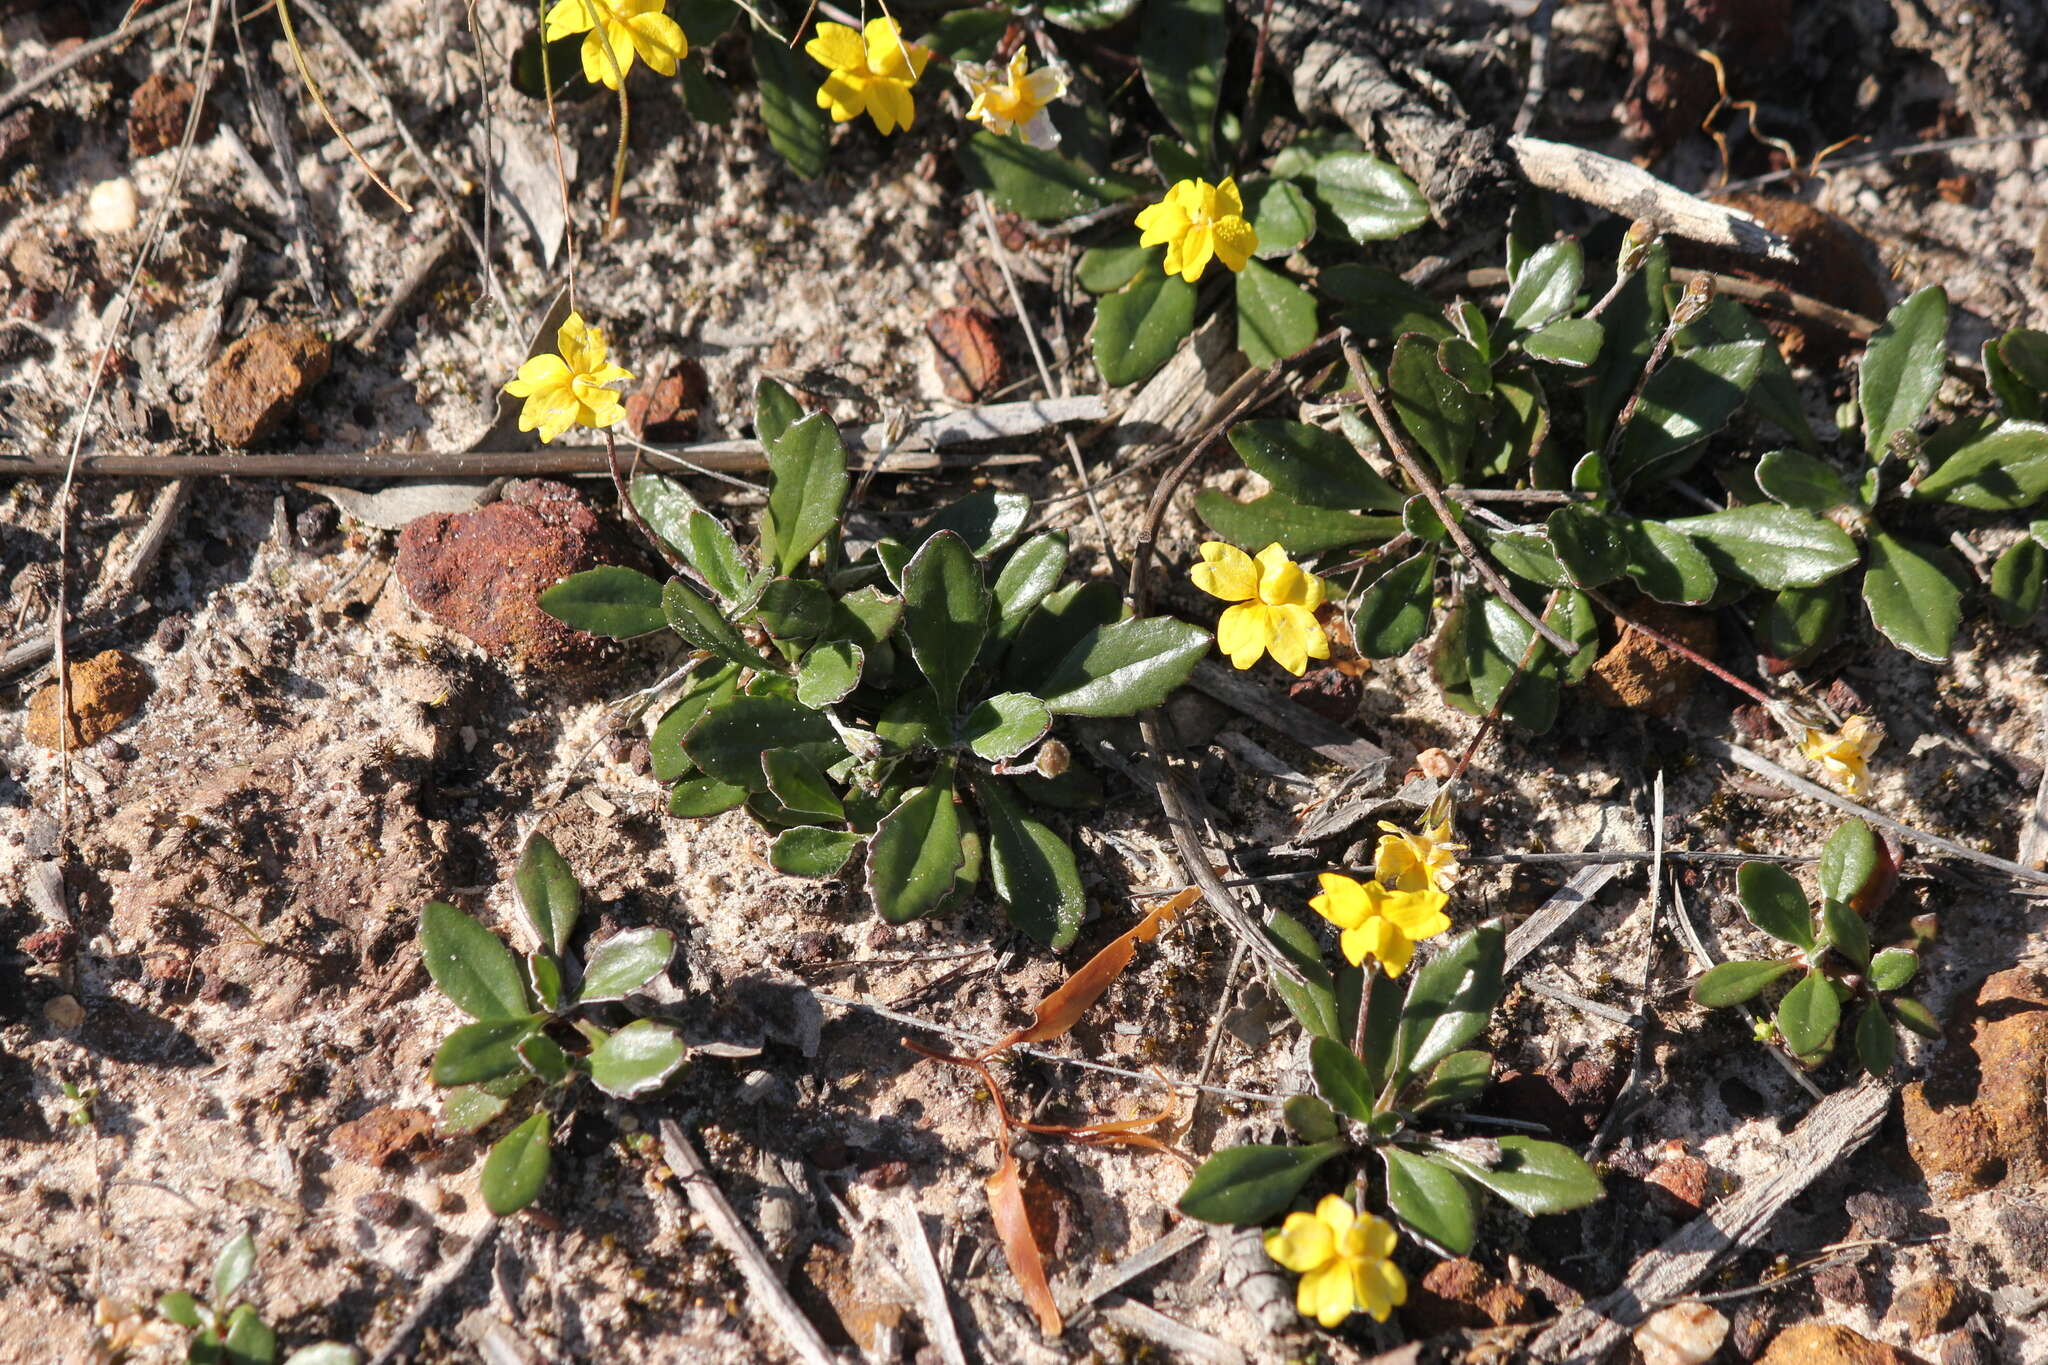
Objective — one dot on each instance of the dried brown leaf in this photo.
(1061, 1010)
(1006, 1202)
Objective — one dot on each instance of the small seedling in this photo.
(229, 1333)
(79, 1113)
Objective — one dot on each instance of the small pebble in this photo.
(170, 632)
(1683, 1334)
(111, 209)
(315, 524)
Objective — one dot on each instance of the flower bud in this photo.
(1052, 759)
(1699, 295)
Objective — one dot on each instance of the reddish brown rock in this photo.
(1682, 1185)
(1832, 265)
(1926, 1307)
(258, 380)
(670, 407)
(105, 690)
(481, 573)
(385, 1136)
(1816, 1343)
(157, 113)
(1462, 1294)
(1639, 674)
(969, 358)
(1978, 1122)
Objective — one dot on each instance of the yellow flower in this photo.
(1845, 755)
(1343, 1260)
(562, 390)
(1276, 611)
(1378, 923)
(631, 27)
(1426, 861)
(1198, 220)
(1014, 99)
(872, 72)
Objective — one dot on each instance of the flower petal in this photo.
(1301, 1244)
(1226, 572)
(1343, 901)
(1228, 203)
(1330, 1291)
(660, 42)
(1197, 249)
(838, 47)
(566, 18)
(1242, 633)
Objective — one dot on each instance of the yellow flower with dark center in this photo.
(1276, 606)
(1199, 221)
(1379, 923)
(629, 27)
(1014, 98)
(1845, 755)
(1344, 1262)
(565, 389)
(1424, 861)
(872, 72)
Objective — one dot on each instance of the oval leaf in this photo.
(1731, 983)
(1394, 612)
(471, 965)
(945, 613)
(915, 852)
(812, 851)
(1276, 317)
(482, 1051)
(1138, 330)
(1299, 529)
(1312, 466)
(1808, 1014)
(1431, 1199)
(1901, 368)
(1774, 903)
(1250, 1184)
(1687, 400)
(1369, 198)
(1848, 861)
(1121, 669)
(829, 671)
(1999, 472)
(1005, 725)
(1033, 869)
(548, 891)
(1536, 1177)
(1772, 547)
(1181, 46)
(1893, 969)
(807, 487)
(610, 601)
(1341, 1078)
(517, 1167)
(1916, 605)
(636, 1059)
(625, 962)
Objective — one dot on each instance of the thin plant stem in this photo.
(291, 38)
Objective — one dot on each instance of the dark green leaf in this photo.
(517, 1165)
(706, 99)
(986, 519)
(1310, 1119)
(548, 891)
(789, 109)
(1341, 1078)
(915, 852)
(1005, 725)
(1048, 632)
(2017, 581)
(968, 34)
(807, 487)
(1312, 466)
(1032, 572)
(1121, 669)
(563, 68)
(1458, 1079)
(800, 784)
(467, 1108)
(1915, 1016)
(1368, 198)
(1772, 547)
(1666, 564)
(1528, 554)
(1450, 999)
(1379, 305)
(1847, 861)
(1570, 341)
(1774, 903)
(1687, 400)
(1544, 288)
(1796, 479)
(1462, 361)
(1106, 269)
(1241, 1186)
(1495, 643)
(775, 411)
(698, 620)
(471, 965)
(1901, 368)
(1912, 601)
(697, 797)
(830, 669)
(1731, 983)
(1275, 316)
(1312, 1001)
(1181, 46)
(812, 851)
(481, 1051)
(1173, 162)
(1282, 216)
(1534, 1177)
(1894, 968)
(181, 1308)
(1139, 329)
(610, 601)
(1808, 1014)
(1588, 544)
(2016, 398)
(1431, 1199)
(544, 1058)
(946, 613)
(1037, 184)
(1846, 931)
(1032, 867)
(1394, 612)
(728, 743)
(636, 1059)
(1800, 622)
(1432, 407)
(249, 1340)
(2000, 472)
(794, 609)
(1089, 14)
(626, 962)
(1875, 1045)
(1298, 528)
(1632, 323)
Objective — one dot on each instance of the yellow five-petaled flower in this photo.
(1344, 1262)
(1199, 221)
(1276, 606)
(629, 27)
(1423, 861)
(564, 389)
(1014, 97)
(872, 72)
(1379, 923)
(1845, 755)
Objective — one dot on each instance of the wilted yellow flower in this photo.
(1197, 221)
(1012, 98)
(872, 72)
(563, 390)
(631, 27)
(1425, 861)
(1343, 1260)
(124, 1328)
(1378, 923)
(1276, 611)
(1845, 755)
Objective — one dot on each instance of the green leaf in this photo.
(1543, 289)
(516, 1167)
(1282, 216)
(697, 797)
(1313, 1000)
(698, 620)
(807, 488)
(1299, 529)
(1089, 14)
(1310, 1119)
(1394, 612)
(794, 609)
(1808, 1014)
(813, 851)
(1916, 605)
(1106, 269)
(1458, 1079)
(829, 671)
(1901, 368)
(625, 963)
(665, 747)
(1181, 47)
(1048, 632)
(1731, 983)
(2003, 471)
(1461, 360)
(1275, 316)
(544, 978)
(1893, 969)
(1772, 900)
(1005, 725)
(1450, 999)
(704, 21)
(1667, 564)
(728, 743)
(1037, 184)
(1341, 1078)
(1528, 554)
(609, 601)
(481, 1051)
(563, 69)
(1370, 199)
(1588, 544)
(1795, 479)
(705, 99)
(1431, 406)
(986, 519)
(249, 1340)
(1913, 1015)
(467, 1108)
(1138, 330)
(233, 1267)
(1379, 305)
(1772, 547)
(1687, 400)
(915, 852)
(636, 1059)
(544, 1058)
(1534, 1177)
(1431, 1199)
(1121, 669)
(2018, 580)
(1496, 642)
(1848, 861)
(471, 965)
(946, 612)
(1312, 466)
(789, 108)
(1632, 322)
(1031, 572)
(665, 505)
(800, 784)
(1875, 1045)
(1241, 1186)
(180, 1307)
(2016, 398)
(1569, 341)
(1032, 867)
(1800, 622)
(1846, 931)
(548, 891)
(966, 35)
(775, 411)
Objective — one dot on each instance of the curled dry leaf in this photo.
(1006, 1202)
(1059, 1011)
